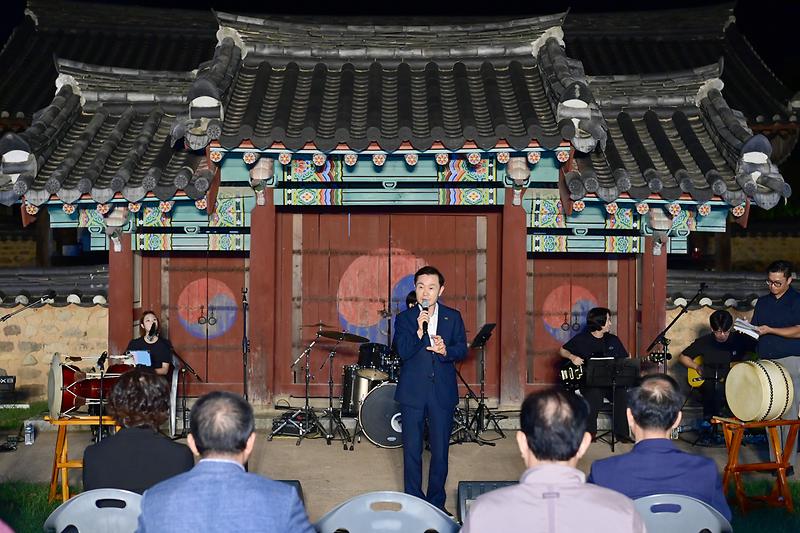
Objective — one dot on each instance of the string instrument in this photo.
(693, 376)
(573, 376)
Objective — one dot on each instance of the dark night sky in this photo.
(771, 25)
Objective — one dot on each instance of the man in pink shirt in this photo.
(552, 495)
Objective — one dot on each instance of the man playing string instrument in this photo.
(711, 356)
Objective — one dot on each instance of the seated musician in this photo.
(159, 348)
(138, 456)
(712, 355)
(597, 341)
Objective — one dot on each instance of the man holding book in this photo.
(777, 320)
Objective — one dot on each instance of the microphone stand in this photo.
(662, 356)
(185, 367)
(245, 341)
(38, 301)
(101, 362)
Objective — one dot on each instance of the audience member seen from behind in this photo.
(217, 494)
(552, 494)
(655, 465)
(138, 456)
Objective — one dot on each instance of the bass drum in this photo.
(759, 390)
(379, 417)
(354, 389)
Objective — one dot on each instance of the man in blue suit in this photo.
(656, 465)
(217, 494)
(429, 338)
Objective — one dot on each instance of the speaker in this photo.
(296, 484)
(7, 384)
(468, 492)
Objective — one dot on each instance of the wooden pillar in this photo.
(262, 298)
(120, 296)
(512, 305)
(653, 295)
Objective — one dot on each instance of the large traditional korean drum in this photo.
(759, 390)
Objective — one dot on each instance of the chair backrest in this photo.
(667, 513)
(173, 396)
(98, 510)
(386, 511)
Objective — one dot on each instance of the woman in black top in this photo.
(159, 348)
(597, 341)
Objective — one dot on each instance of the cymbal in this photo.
(317, 325)
(343, 336)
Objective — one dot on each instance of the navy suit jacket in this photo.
(422, 367)
(221, 496)
(657, 466)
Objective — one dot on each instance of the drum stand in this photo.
(339, 432)
(304, 421)
(462, 425)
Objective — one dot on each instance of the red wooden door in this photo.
(352, 271)
(205, 319)
(562, 291)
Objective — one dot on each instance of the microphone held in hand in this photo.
(425, 305)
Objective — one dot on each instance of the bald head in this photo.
(656, 402)
(221, 423)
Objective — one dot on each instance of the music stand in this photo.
(611, 372)
(483, 415)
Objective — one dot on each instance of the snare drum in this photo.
(69, 387)
(380, 418)
(371, 356)
(355, 388)
(759, 390)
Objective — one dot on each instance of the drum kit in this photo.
(75, 384)
(367, 395)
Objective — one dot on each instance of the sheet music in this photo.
(743, 326)
(141, 357)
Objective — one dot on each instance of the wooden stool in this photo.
(734, 429)
(61, 462)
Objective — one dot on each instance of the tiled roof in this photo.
(281, 41)
(420, 84)
(651, 42)
(672, 134)
(70, 151)
(120, 36)
(723, 289)
(76, 285)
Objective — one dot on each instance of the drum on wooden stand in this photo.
(759, 390)
(69, 388)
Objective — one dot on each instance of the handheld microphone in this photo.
(425, 305)
(153, 330)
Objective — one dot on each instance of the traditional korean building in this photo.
(312, 167)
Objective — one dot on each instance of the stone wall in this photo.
(29, 340)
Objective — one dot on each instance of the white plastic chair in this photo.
(97, 511)
(669, 513)
(386, 511)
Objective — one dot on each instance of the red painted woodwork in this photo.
(342, 269)
(263, 303)
(653, 294)
(563, 289)
(513, 329)
(120, 296)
